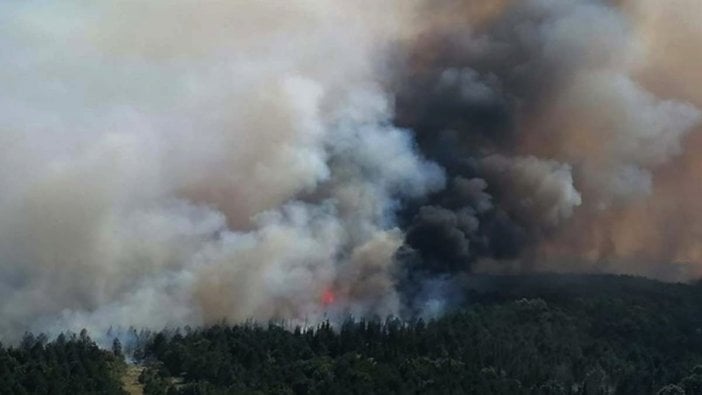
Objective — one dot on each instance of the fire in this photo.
(328, 297)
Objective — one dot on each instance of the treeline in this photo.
(544, 334)
(567, 335)
(70, 364)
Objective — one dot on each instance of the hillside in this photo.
(535, 334)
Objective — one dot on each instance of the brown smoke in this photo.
(606, 90)
(179, 162)
(662, 226)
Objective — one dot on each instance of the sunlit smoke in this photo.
(180, 163)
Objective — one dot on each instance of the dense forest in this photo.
(538, 334)
(515, 335)
(70, 364)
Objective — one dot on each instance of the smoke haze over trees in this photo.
(178, 163)
(527, 334)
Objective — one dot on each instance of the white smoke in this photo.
(175, 162)
(178, 162)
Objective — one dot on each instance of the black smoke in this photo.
(538, 114)
(463, 107)
(465, 91)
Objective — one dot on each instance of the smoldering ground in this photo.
(176, 163)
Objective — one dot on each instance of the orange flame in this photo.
(328, 297)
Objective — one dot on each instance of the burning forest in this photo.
(178, 163)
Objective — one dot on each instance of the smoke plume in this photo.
(173, 162)
(560, 111)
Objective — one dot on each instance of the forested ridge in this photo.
(70, 364)
(537, 334)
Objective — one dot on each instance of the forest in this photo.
(69, 364)
(535, 334)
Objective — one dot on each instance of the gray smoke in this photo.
(173, 163)
(544, 104)
(176, 163)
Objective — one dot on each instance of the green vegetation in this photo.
(517, 335)
(540, 334)
(68, 365)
